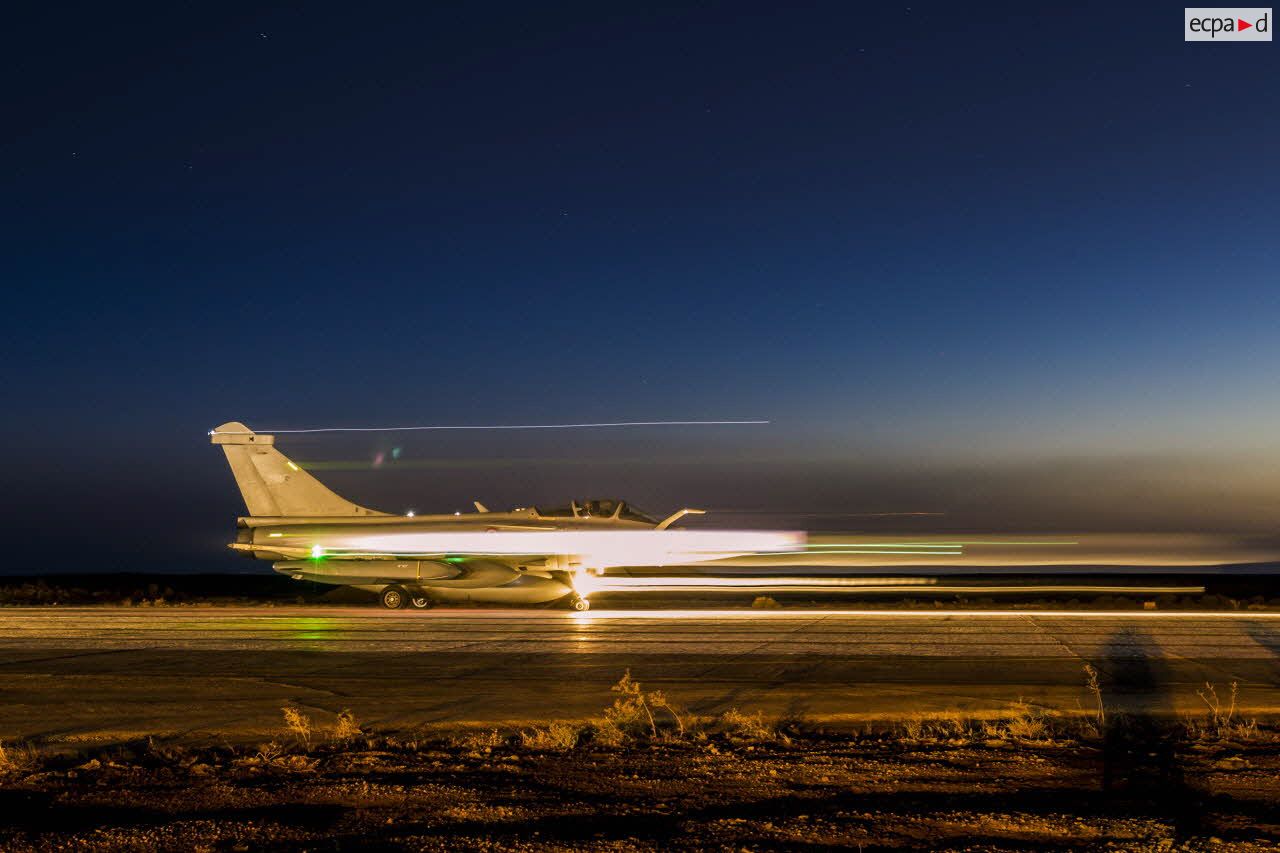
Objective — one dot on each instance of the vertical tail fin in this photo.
(271, 484)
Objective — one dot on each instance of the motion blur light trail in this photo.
(1033, 542)
(597, 584)
(620, 548)
(930, 615)
(1043, 553)
(596, 549)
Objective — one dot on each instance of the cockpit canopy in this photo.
(598, 508)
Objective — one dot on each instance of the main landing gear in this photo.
(397, 597)
(394, 597)
(580, 604)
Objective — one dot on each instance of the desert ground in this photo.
(222, 726)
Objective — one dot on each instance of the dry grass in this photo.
(630, 712)
(297, 724)
(346, 728)
(738, 726)
(17, 759)
(275, 758)
(1205, 731)
(1025, 724)
(485, 741)
(629, 718)
(556, 737)
(268, 752)
(825, 791)
(1219, 716)
(1221, 723)
(937, 727)
(1091, 682)
(639, 716)
(660, 702)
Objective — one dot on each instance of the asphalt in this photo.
(100, 675)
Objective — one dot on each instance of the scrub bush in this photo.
(298, 725)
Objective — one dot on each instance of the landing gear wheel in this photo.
(581, 604)
(394, 597)
(420, 602)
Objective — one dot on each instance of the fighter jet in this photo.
(529, 555)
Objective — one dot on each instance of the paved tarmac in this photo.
(79, 675)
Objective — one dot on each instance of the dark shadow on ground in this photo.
(858, 809)
(1143, 741)
(41, 811)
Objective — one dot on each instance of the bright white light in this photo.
(585, 583)
(317, 552)
(890, 615)
(862, 585)
(599, 549)
(411, 514)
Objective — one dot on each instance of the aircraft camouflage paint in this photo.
(526, 556)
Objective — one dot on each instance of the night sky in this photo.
(1015, 265)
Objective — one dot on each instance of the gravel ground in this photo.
(1144, 791)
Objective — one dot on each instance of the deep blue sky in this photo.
(938, 244)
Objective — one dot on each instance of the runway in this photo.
(76, 675)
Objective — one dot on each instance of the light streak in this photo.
(933, 553)
(883, 545)
(717, 615)
(593, 548)
(905, 584)
(925, 544)
(448, 556)
(608, 583)
(500, 426)
(693, 556)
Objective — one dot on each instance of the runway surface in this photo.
(109, 674)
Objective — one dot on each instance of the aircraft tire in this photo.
(581, 605)
(394, 597)
(420, 602)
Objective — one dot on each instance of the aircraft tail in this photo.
(271, 484)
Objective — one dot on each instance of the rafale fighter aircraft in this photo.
(531, 555)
